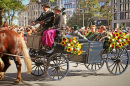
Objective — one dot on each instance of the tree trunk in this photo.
(1, 11)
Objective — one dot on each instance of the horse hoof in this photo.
(2, 75)
(16, 82)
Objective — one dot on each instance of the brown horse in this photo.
(11, 42)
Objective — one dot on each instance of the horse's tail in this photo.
(1, 65)
(27, 59)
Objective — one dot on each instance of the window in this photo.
(121, 1)
(126, 15)
(115, 1)
(115, 8)
(122, 15)
(115, 25)
(126, 6)
(115, 16)
(121, 7)
(129, 15)
(34, 12)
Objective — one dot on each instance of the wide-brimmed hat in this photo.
(58, 8)
(75, 27)
(46, 4)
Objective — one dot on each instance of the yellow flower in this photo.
(115, 38)
(122, 37)
(80, 46)
(69, 49)
(72, 45)
(79, 52)
(125, 43)
(113, 44)
(120, 44)
(77, 45)
(117, 34)
(74, 38)
(110, 40)
(123, 34)
(62, 43)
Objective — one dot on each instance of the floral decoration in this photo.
(118, 39)
(71, 45)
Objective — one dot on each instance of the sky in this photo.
(25, 2)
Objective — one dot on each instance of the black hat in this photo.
(58, 8)
(46, 4)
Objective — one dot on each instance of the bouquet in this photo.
(118, 39)
(72, 45)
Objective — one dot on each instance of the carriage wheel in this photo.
(57, 66)
(38, 67)
(117, 61)
(95, 66)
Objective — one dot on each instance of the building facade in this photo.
(23, 18)
(121, 13)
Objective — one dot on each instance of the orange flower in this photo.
(69, 49)
(62, 43)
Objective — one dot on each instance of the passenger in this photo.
(75, 32)
(102, 34)
(91, 36)
(45, 19)
(49, 34)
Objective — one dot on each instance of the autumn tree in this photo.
(107, 13)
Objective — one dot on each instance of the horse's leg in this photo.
(7, 63)
(18, 65)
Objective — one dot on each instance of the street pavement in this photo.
(77, 76)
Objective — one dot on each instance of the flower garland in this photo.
(72, 45)
(118, 39)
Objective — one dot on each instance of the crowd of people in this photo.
(49, 23)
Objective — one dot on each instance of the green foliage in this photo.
(107, 12)
(91, 10)
(10, 10)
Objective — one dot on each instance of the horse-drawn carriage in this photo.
(55, 62)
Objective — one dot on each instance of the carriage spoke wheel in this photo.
(117, 61)
(38, 68)
(57, 66)
(94, 66)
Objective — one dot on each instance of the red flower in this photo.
(119, 37)
(120, 32)
(114, 35)
(118, 41)
(112, 46)
(117, 46)
(64, 44)
(109, 42)
(74, 49)
(69, 40)
(81, 50)
(127, 39)
(123, 44)
(116, 31)
(64, 39)
(87, 31)
(74, 43)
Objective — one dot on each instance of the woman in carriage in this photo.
(49, 34)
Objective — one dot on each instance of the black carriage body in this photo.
(91, 52)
